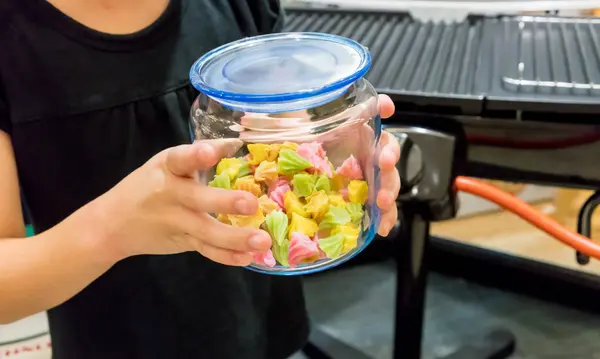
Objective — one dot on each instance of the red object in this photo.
(528, 213)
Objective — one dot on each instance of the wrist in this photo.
(86, 230)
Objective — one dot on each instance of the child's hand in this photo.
(389, 177)
(161, 209)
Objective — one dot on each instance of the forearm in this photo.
(43, 271)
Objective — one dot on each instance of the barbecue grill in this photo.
(513, 98)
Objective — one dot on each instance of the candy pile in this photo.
(311, 210)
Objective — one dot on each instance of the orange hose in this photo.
(528, 213)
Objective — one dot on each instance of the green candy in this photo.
(335, 216)
(277, 226)
(303, 184)
(244, 169)
(356, 212)
(221, 181)
(281, 251)
(290, 163)
(323, 184)
(332, 246)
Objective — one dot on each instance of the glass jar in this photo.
(307, 127)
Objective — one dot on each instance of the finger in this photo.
(386, 106)
(240, 239)
(390, 152)
(220, 235)
(390, 187)
(220, 255)
(185, 160)
(388, 220)
(201, 198)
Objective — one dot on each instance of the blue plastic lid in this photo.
(280, 72)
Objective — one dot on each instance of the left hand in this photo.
(389, 176)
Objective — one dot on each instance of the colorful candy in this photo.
(254, 221)
(317, 205)
(278, 194)
(248, 184)
(293, 204)
(335, 216)
(358, 191)
(302, 249)
(290, 163)
(322, 183)
(229, 166)
(311, 210)
(303, 184)
(258, 153)
(303, 225)
(265, 259)
(356, 212)
(267, 205)
(350, 169)
(277, 225)
(221, 180)
(266, 172)
(332, 246)
(350, 234)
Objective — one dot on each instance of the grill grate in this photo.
(485, 63)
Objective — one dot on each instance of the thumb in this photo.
(185, 160)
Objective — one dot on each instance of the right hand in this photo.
(161, 208)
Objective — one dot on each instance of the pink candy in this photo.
(265, 259)
(314, 152)
(350, 169)
(321, 165)
(311, 150)
(280, 182)
(301, 248)
(278, 194)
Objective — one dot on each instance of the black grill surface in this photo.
(525, 63)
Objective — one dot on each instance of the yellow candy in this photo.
(293, 205)
(358, 191)
(248, 184)
(267, 205)
(291, 145)
(338, 182)
(266, 172)
(336, 199)
(231, 166)
(273, 152)
(351, 234)
(258, 153)
(317, 205)
(303, 225)
(223, 218)
(254, 221)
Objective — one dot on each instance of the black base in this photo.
(499, 344)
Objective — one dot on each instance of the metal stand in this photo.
(427, 195)
(411, 269)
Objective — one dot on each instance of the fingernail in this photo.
(243, 206)
(259, 241)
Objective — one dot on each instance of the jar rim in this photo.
(200, 83)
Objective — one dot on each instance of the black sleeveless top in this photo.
(84, 109)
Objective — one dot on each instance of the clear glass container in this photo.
(309, 127)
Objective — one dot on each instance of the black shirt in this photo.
(84, 109)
